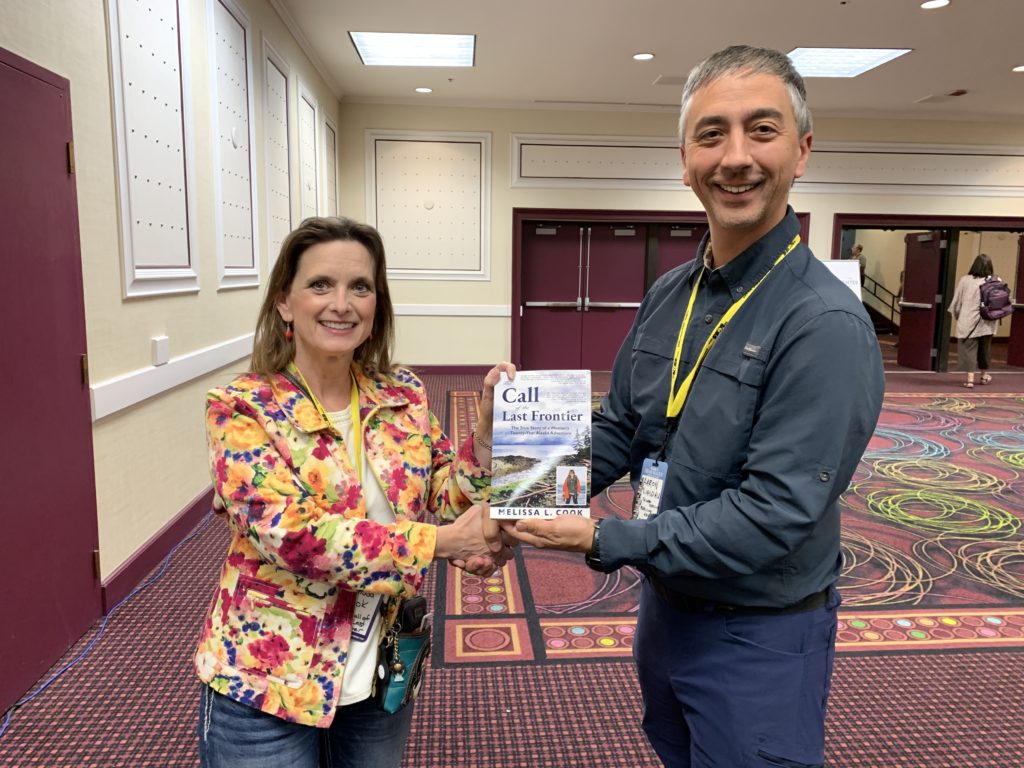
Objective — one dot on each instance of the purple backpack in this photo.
(995, 299)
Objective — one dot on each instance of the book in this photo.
(541, 445)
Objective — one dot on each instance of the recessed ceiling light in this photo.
(841, 62)
(643, 56)
(424, 90)
(930, 4)
(411, 49)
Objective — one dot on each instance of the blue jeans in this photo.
(233, 735)
(736, 690)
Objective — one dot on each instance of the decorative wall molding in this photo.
(452, 310)
(330, 163)
(307, 47)
(606, 162)
(549, 160)
(915, 169)
(154, 149)
(122, 392)
(277, 149)
(429, 195)
(309, 160)
(234, 134)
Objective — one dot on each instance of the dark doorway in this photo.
(958, 239)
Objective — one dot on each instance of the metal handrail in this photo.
(885, 297)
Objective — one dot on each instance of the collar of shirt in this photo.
(743, 272)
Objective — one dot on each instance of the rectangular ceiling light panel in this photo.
(841, 62)
(411, 49)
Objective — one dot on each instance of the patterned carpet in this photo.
(931, 673)
(932, 545)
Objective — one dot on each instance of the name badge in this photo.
(365, 613)
(647, 501)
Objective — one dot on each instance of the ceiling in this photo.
(578, 53)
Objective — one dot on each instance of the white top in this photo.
(966, 309)
(357, 681)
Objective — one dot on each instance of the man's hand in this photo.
(478, 550)
(569, 533)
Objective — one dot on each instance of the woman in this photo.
(326, 459)
(973, 333)
(571, 487)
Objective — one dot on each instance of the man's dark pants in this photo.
(733, 688)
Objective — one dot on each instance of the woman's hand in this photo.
(473, 542)
(484, 429)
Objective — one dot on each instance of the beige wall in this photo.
(150, 457)
(484, 340)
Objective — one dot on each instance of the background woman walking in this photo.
(973, 332)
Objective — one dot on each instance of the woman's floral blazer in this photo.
(278, 632)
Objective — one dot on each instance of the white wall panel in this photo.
(277, 152)
(234, 175)
(550, 160)
(308, 193)
(330, 169)
(429, 196)
(154, 148)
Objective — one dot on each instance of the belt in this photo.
(687, 604)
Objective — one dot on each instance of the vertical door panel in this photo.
(614, 271)
(603, 332)
(613, 287)
(552, 284)
(551, 338)
(552, 256)
(48, 514)
(1015, 344)
(918, 310)
(677, 244)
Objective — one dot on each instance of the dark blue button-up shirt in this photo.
(776, 421)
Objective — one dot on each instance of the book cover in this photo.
(541, 453)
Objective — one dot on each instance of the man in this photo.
(740, 403)
(857, 252)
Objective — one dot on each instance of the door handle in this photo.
(579, 275)
(614, 304)
(586, 289)
(549, 304)
(914, 305)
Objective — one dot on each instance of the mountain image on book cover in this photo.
(541, 454)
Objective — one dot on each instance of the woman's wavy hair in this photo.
(271, 351)
(982, 266)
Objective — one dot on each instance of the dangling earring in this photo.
(288, 331)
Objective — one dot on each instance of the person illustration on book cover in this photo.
(571, 488)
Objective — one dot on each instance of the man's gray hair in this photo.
(748, 60)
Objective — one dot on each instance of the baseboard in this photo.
(452, 370)
(131, 573)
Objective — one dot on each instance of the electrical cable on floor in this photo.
(85, 651)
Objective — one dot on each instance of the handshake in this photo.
(479, 545)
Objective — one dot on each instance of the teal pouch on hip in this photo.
(403, 656)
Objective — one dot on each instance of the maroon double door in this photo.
(578, 284)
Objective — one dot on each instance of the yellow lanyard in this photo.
(353, 407)
(677, 399)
